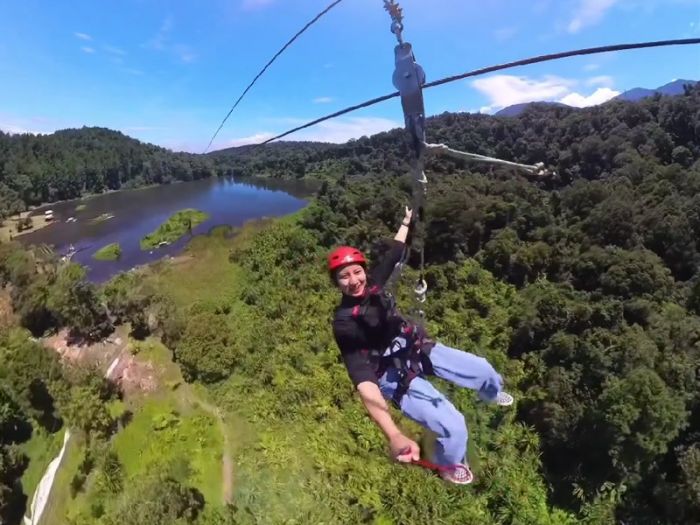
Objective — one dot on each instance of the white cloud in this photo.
(602, 80)
(342, 130)
(252, 139)
(159, 40)
(591, 67)
(589, 12)
(87, 49)
(323, 100)
(34, 125)
(506, 90)
(162, 41)
(13, 129)
(336, 131)
(695, 28)
(599, 96)
(184, 53)
(82, 36)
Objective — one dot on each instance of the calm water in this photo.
(139, 212)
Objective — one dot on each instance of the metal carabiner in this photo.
(421, 290)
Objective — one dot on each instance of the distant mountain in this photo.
(672, 88)
(632, 95)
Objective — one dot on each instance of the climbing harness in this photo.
(408, 352)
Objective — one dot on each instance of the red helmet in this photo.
(344, 255)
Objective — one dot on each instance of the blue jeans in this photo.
(431, 409)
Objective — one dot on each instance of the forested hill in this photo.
(578, 143)
(35, 169)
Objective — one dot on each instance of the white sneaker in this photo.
(460, 475)
(504, 399)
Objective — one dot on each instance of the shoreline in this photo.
(8, 230)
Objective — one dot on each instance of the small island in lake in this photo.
(111, 252)
(174, 228)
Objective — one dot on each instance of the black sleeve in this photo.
(356, 361)
(381, 272)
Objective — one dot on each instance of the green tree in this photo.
(84, 408)
(157, 501)
(207, 350)
(75, 303)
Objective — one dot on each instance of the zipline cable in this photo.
(490, 69)
(309, 24)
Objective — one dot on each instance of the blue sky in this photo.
(167, 72)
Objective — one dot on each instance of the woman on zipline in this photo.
(387, 357)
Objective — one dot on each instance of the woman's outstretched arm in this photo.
(403, 229)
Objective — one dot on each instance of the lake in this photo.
(135, 213)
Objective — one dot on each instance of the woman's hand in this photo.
(404, 449)
(407, 217)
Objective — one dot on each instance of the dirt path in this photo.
(226, 461)
(43, 490)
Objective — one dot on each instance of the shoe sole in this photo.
(455, 482)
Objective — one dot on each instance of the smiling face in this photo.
(352, 280)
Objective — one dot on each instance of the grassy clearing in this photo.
(202, 273)
(175, 435)
(111, 252)
(174, 228)
(40, 450)
(169, 432)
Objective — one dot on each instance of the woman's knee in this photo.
(454, 426)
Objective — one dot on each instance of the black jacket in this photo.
(359, 341)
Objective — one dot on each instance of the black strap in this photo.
(420, 365)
